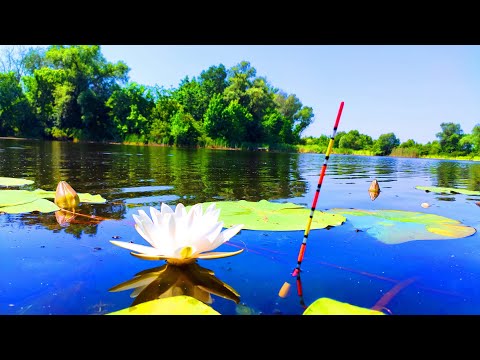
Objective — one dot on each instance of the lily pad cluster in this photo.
(24, 201)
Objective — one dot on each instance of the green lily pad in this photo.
(447, 190)
(396, 226)
(270, 216)
(23, 201)
(8, 181)
(16, 197)
(42, 205)
(327, 306)
(174, 305)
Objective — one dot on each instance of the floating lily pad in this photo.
(327, 306)
(447, 190)
(265, 215)
(396, 226)
(16, 197)
(42, 205)
(174, 305)
(23, 201)
(8, 181)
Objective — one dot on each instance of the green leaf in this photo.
(265, 215)
(396, 226)
(8, 181)
(174, 305)
(16, 197)
(447, 190)
(327, 306)
(41, 205)
(23, 201)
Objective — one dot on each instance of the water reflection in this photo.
(138, 176)
(170, 280)
(84, 220)
(459, 174)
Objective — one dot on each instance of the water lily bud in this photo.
(65, 196)
(374, 190)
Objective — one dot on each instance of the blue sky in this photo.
(405, 89)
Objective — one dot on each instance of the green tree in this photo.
(228, 122)
(385, 144)
(450, 136)
(192, 97)
(471, 142)
(213, 81)
(70, 91)
(15, 114)
(297, 117)
(131, 108)
(165, 108)
(410, 143)
(185, 129)
(338, 137)
(240, 78)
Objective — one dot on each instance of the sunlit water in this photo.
(46, 268)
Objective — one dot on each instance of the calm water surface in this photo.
(46, 268)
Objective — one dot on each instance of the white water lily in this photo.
(180, 237)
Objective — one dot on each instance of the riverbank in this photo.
(287, 148)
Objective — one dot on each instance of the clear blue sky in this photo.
(405, 89)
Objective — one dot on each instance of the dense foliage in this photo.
(74, 93)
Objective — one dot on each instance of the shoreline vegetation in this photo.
(72, 93)
(296, 149)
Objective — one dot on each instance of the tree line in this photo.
(74, 93)
(452, 142)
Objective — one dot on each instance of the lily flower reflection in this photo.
(171, 280)
(180, 237)
(64, 217)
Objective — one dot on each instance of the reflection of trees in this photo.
(457, 174)
(350, 167)
(123, 172)
(209, 175)
(84, 222)
(449, 174)
(170, 280)
(474, 177)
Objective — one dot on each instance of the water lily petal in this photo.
(196, 210)
(218, 254)
(165, 209)
(226, 235)
(137, 247)
(211, 208)
(207, 240)
(180, 211)
(144, 228)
